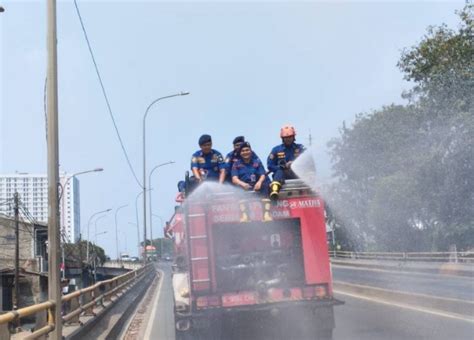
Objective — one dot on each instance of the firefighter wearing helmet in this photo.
(281, 158)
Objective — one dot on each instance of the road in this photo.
(448, 286)
(357, 319)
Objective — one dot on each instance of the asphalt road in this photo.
(357, 319)
(448, 286)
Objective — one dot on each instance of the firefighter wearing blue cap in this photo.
(233, 156)
(248, 171)
(207, 163)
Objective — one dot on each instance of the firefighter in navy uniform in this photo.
(207, 163)
(234, 156)
(248, 171)
(281, 158)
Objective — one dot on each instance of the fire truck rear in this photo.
(244, 265)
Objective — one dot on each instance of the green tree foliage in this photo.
(405, 174)
(76, 253)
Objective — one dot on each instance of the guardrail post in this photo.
(88, 297)
(4, 332)
(97, 293)
(107, 288)
(74, 304)
(41, 321)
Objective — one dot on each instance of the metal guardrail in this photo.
(456, 257)
(80, 302)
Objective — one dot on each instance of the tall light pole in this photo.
(88, 230)
(54, 242)
(138, 237)
(116, 229)
(61, 198)
(138, 222)
(95, 228)
(144, 161)
(149, 182)
(161, 240)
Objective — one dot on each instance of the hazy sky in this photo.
(250, 67)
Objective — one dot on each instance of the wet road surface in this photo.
(357, 319)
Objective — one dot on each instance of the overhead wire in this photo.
(105, 95)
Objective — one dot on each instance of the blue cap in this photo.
(239, 139)
(204, 139)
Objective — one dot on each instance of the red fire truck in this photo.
(252, 268)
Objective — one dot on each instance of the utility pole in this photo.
(17, 251)
(54, 241)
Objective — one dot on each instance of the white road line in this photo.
(155, 306)
(417, 309)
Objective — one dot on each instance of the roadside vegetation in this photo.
(404, 174)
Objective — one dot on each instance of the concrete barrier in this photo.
(453, 306)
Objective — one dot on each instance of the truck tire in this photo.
(324, 334)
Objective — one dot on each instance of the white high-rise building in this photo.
(33, 193)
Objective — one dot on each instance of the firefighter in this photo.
(207, 163)
(281, 158)
(233, 156)
(248, 171)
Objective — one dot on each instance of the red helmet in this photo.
(287, 131)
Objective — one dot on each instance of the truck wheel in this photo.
(183, 335)
(324, 334)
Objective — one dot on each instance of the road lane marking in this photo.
(417, 309)
(155, 306)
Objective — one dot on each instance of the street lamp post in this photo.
(138, 234)
(88, 231)
(61, 198)
(144, 161)
(150, 206)
(116, 230)
(161, 240)
(95, 228)
(138, 222)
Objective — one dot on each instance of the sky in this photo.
(250, 67)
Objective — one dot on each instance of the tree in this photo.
(405, 173)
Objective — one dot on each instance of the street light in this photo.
(161, 239)
(138, 222)
(144, 160)
(138, 234)
(116, 229)
(149, 182)
(88, 230)
(63, 187)
(95, 227)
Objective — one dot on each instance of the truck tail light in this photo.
(202, 301)
(214, 301)
(320, 291)
(308, 292)
(208, 301)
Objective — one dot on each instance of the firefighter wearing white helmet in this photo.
(281, 158)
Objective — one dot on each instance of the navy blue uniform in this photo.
(209, 165)
(281, 155)
(250, 172)
(229, 161)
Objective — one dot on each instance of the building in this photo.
(33, 193)
(33, 263)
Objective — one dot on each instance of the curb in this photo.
(442, 269)
(453, 306)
